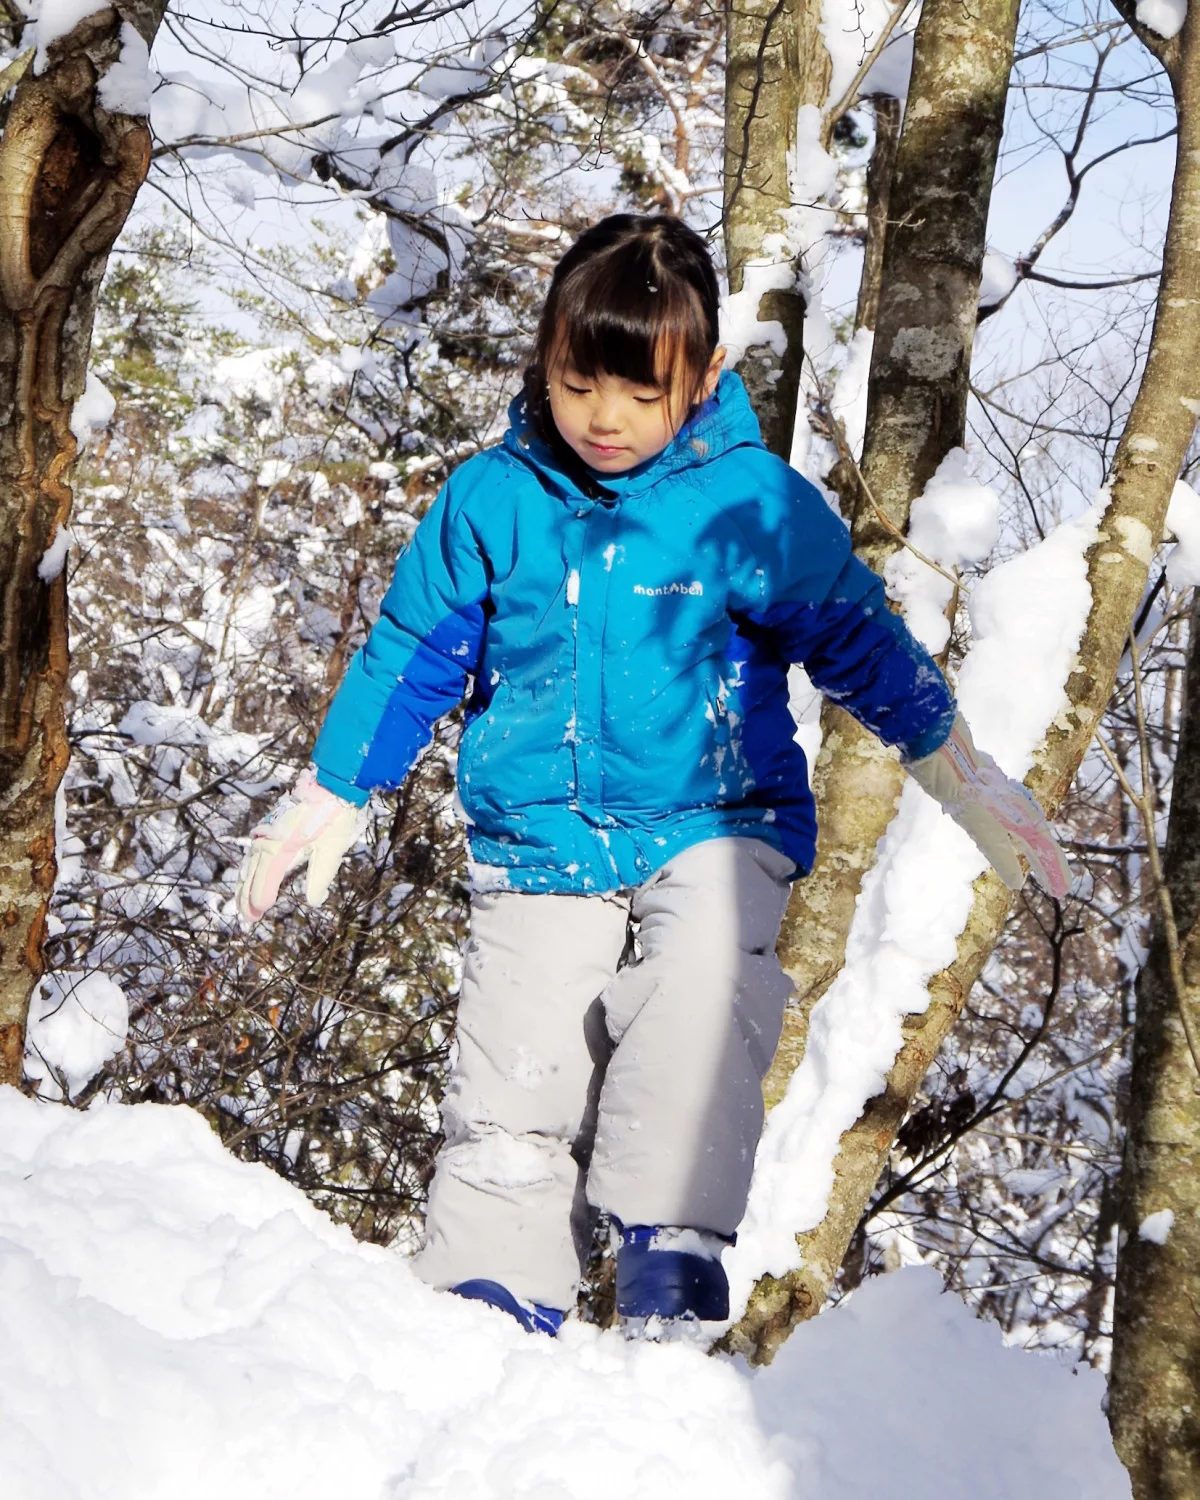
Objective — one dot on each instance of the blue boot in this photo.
(532, 1317)
(671, 1273)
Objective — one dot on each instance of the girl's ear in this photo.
(713, 373)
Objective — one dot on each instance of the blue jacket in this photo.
(629, 646)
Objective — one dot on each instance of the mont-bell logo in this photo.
(694, 588)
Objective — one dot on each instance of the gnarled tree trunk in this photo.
(69, 171)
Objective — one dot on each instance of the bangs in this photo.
(635, 298)
(631, 327)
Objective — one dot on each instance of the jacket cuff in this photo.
(932, 739)
(346, 790)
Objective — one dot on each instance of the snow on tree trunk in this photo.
(1147, 463)
(777, 62)
(916, 412)
(1156, 1327)
(925, 322)
(69, 170)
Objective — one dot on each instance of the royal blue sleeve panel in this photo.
(864, 657)
(828, 611)
(414, 665)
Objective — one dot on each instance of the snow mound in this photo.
(178, 1322)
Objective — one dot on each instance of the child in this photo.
(624, 580)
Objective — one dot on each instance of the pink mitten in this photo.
(309, 823)
(1000, 814)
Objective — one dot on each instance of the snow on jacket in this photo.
(629, 645)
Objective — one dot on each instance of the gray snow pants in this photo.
(592, 1075)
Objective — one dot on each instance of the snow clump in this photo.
(1164, 16)
(54, 19)
(954, 523)
(998, 280)
(1183, 522)
(125, 89)
(93, 411)
(77, 1021)
(1157, 1227)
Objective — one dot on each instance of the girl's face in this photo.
(614, 424)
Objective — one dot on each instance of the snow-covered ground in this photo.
(175, 1323)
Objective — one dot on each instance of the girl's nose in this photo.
(606, 415)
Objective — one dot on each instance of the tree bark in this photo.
(69, 172)
(880, 172)
(1153, 1408)
(1148, 460)
(916, 412)
(776, 62)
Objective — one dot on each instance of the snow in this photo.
(54, 559)
(788, 259)
(125, 88)
(93, 411)
(954, 523)
(741, 328)
(1027, 616)
(1183, 522)
(273, 471)
(1157, 1227)
(1164, 16)
(848, 402)
(57, 18)
(77, 1021)
(998, 279)
(175, 1317)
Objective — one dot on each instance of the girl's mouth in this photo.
(606, 450)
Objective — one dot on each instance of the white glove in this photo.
(1000, 814)
(309, 823)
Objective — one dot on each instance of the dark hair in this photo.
(635, 296)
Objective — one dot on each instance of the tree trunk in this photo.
(776, 62)
(1148, 460)
(1153, 1405)
(68, 175)
(841, 479)
(916, 412)
(880, 172)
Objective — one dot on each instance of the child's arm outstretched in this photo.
(412, 669)
(828, 611)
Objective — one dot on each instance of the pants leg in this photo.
(507, 1201)
(695, 1022)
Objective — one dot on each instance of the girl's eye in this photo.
(647, 400)
(576, 390)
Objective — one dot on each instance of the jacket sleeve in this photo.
(414, 665)
(827, 610)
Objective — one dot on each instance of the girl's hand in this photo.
(309, 823)
(1001, 816)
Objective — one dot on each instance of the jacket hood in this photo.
(725, 421)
